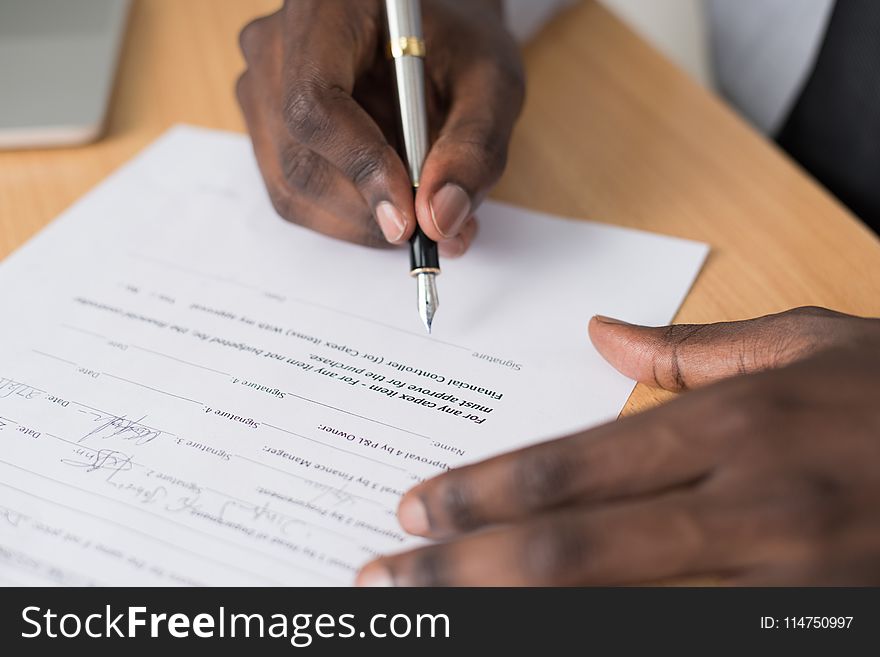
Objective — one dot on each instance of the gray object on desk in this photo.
(57, 64)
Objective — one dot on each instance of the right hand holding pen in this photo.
(319, 103)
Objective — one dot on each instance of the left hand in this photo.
(768, 478)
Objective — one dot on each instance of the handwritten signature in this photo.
(118, 426)
(232, 512)
(339, 496)
(9, 387)
(145, 495)
(255, 512)
(93, 460)
(11, 516)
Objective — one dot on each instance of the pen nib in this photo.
(428, 300)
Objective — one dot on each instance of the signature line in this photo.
(81, 330)
(331, 309)
(180, 360)
(368, 419)
(63, 360)
(135, 383)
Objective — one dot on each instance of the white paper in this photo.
(193, 391)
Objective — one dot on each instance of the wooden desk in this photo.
(611, 131)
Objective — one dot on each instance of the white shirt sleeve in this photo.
(525, 17)
(764, 51)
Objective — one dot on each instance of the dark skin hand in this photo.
(771, 477)
(767, 473)
(319, 103)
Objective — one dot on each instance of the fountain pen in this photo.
(407, 49)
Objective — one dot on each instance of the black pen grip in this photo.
(423, 252)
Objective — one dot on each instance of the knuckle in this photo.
(512, 79)
(800, 514)
(431, 567)
(691, 523)
(814, 506)
(490, 148)
(283, 203)
(767, 402)
(744, 407)
(749, 398)
(251, 36)
(799, 332)
(481, 144)
(812, 311)
(784, 404)
(778, 348)
(504, 75)
(305, 171)
(555, 553)
(802, 543)
(304, 112)
(456, 500)
(670, 343)
(815, 558)
(494, 152)
(817, 328)
(242, 89)
(365, 163)
(542, 476)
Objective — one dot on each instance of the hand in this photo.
(320, 107)
(769, 478)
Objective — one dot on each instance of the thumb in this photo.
(689, 355)
(470, 152)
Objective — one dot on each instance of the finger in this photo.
(320, 68)
(689, 355)
(846, 570)
(456, 246)
(814, 547)
(470, 152)
(303, 187)
(659, 539)
(789, 574)
(633, 456)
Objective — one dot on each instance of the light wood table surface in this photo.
(611, 131)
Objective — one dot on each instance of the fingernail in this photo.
(390, 221)
(611, 320)
(412, 516)
(449, 209)
(374, 575)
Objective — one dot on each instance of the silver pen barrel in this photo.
(406, 46)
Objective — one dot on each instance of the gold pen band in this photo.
(406, 47)
(424, 270)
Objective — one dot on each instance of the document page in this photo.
(195, 392)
